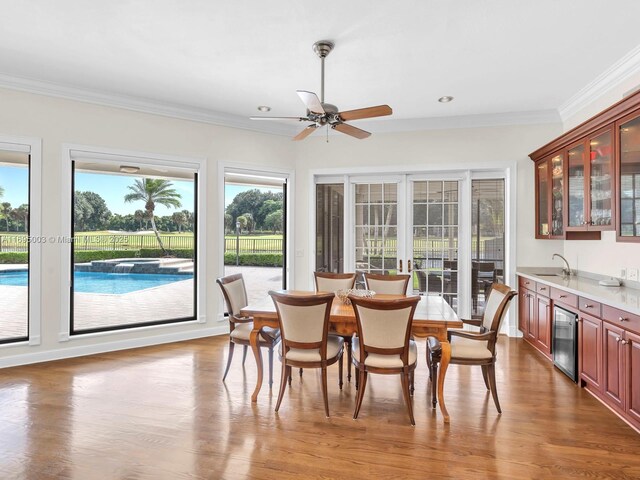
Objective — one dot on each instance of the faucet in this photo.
(567, 270)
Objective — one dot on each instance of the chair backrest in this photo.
(234, 292)
(495, 310)
(303, 319)
(387, 284)
(384, 326)
(332, 282)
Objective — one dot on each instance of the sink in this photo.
(548, 275)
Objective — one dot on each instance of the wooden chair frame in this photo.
(406, 371)
(306, 301)
(489, 335)
(268, 338)
(347, 338)
(387, 278)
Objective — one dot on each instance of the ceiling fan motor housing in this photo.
(323, 48)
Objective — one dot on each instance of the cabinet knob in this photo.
(623, 342)
(618, 339)
(586, 305)
(623, 319)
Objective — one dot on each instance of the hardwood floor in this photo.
(163, 413)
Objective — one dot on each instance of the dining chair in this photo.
(306, 343)
(332, 282)
(383, 344)
(476, 348)
(387, 284)
(234, 292)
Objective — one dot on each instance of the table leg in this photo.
(255, 347)
(444, 363)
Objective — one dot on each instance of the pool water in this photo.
(95, 282)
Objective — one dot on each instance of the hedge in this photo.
(254, 259)
(13, 257)
(157, 253)
(86, 256)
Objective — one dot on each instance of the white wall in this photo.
(58, 121)
(605, 256)
(477, 148)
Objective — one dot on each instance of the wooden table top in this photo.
(432, 310)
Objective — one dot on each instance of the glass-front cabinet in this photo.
(629, 178)
(590, 180)
(550, 196)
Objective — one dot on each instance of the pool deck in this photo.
(93, 310)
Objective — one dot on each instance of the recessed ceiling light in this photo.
(129, 169)
(264, 108)
(445, 99)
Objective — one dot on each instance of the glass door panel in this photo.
(630, 179)
(434, 206)
(576, 183)
(601, 178)
(376, 229)
(557, 195)
(330, 228)
(542, 177)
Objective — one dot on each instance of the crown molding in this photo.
(203, 115)
(609, 79)
(143, 105)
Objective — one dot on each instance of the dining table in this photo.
(432, 317)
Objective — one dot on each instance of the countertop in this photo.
(624, 298)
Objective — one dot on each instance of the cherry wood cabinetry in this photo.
(608, 343)
(597, 169)
(590, 351)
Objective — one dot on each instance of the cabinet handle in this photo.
(543, 288)
(618, 339)
(563, 296)
(623, 319)
(586, 305)
(623, 342)
(400, 266)
(409, 266)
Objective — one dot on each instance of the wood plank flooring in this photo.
(163, 413)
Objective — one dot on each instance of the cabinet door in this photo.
(632, 372)
(543, 332)
(590, 351)
(612, 365)
(542, 199)
(576, 188)
(532, 323)
(523, 311)
(629, 179)
(601, 181)
(557, 196)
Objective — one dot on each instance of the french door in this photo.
(407, 224)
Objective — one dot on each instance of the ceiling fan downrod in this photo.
(322, 49)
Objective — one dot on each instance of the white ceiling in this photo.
(220, 60)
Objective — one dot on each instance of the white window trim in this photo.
(256, 170)
(104, 154)
(32, 146)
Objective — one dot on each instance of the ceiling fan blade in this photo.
(297, 119)
(350, 130)
(369, 112)
(306, 132)
(311, 100)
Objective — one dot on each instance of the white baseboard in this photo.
(79, 351)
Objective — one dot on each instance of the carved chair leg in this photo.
(434, 361)
(484, 377)
(324, 391)
(347, 345)
(300, 373)
(491, 370)
(283, 383)
(340, 368)
(229, 357)
(404, 377)
(411, 384)
(362, 384)
(270, 366)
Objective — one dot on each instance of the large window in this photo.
(330, 228)
(133, 243)
(14, 246)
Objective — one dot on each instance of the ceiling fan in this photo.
(321, 113)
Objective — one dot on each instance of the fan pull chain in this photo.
(327, 133)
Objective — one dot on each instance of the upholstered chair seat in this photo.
(335, 345)
(466, 348)
(385, 361)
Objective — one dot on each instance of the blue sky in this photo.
(15, 181)
(112, 188)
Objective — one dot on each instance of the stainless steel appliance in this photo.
(565, 342)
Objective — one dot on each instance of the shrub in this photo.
(85, 256)
(157, 253)
(13, 257)
(254, 259)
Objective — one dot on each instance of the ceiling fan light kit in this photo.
(321, 113)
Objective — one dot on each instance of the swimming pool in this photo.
(96, 282)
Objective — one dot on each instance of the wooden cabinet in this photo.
(628, 201)
(543, 324)
(535, 315)
(550, 196)
(590, 351)
(632, 372)
(613, 365)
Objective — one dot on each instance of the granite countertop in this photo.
(585, 285)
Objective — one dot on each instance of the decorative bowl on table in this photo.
(343, 295)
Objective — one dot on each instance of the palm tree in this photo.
(179, 219)
(154, 191)
(5, 211)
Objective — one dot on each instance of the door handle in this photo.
(409, 266)
(400, 266)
